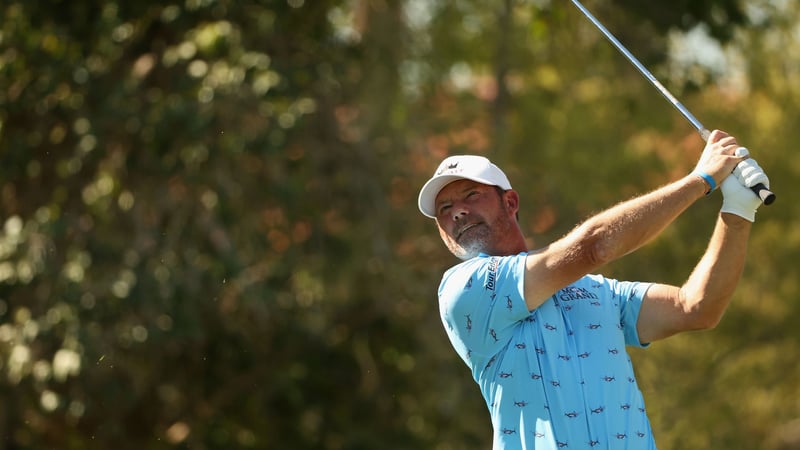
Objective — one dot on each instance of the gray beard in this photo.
(474, 242)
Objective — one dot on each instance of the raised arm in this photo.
(703, 298)
(701, 301)
(625, 227)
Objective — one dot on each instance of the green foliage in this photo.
(208, 224)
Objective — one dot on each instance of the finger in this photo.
(728, 141)
(716, 135)
(742, 153)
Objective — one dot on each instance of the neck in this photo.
(512, 243)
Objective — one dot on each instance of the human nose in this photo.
(458, 210)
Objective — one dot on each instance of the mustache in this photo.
(462, 225)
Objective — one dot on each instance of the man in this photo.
(544, 339)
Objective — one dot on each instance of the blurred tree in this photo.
(209, 233)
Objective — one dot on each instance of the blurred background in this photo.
(209, 236)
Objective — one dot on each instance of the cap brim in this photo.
(428, 193)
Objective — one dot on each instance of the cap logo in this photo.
(452, 166)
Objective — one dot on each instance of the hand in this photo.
(737, 198)
(748, 171)
(719, 156)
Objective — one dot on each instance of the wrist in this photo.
(699, 186)
(708, 181)
(736, 221)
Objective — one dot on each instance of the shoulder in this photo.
(485, 269)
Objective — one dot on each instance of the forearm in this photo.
(709, 288)
(631, 224)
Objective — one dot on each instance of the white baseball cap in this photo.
(458, 167)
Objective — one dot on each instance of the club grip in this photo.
(766, 196)
(761, 191)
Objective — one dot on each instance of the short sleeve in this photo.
(481, 301)
(630, 295)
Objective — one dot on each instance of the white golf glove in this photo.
(737, 198)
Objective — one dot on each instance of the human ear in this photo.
(511, 201)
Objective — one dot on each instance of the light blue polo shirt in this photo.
(555, 378)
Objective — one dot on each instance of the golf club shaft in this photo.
(766, 196)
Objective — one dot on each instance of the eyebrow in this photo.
(470, 186)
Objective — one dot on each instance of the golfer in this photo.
(544, 337)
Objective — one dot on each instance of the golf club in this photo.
(766, 196)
